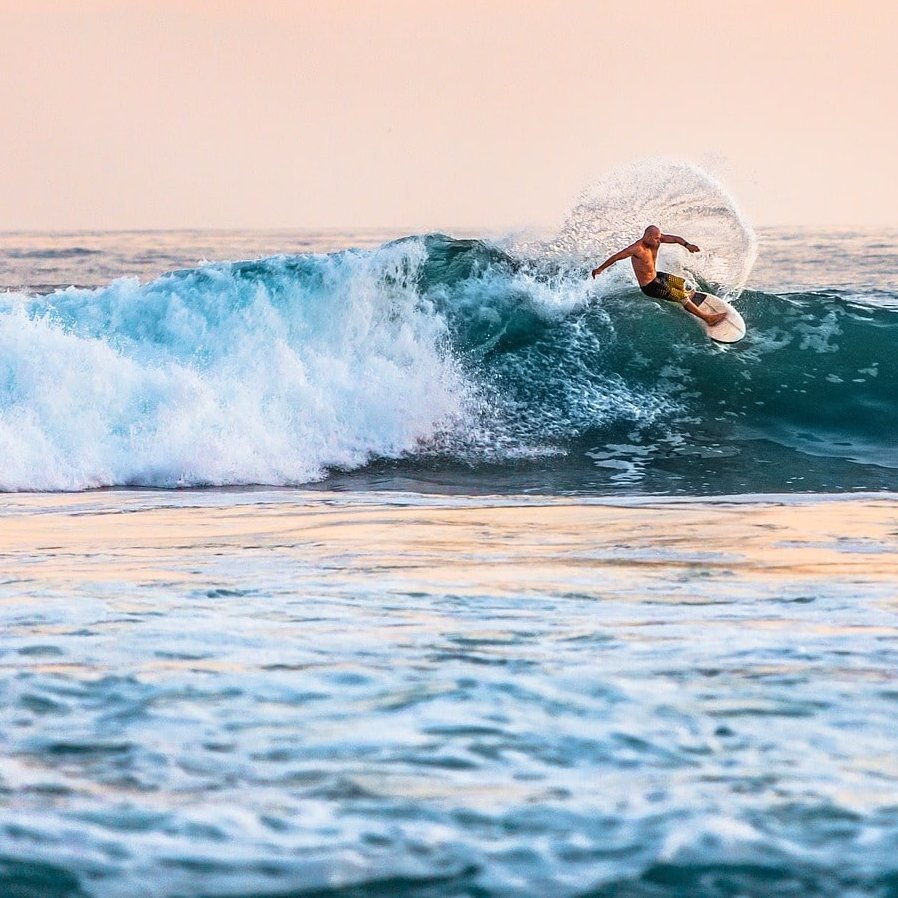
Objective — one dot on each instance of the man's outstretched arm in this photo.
(671, 238)
(617, 257)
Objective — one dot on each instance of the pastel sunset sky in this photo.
(393, 113)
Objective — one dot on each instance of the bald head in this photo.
(651, 236)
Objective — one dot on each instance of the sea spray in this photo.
(680, 198)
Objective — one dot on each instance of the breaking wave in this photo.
(433, 350)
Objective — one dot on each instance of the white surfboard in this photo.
(731, 329)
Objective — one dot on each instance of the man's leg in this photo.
(710, 318)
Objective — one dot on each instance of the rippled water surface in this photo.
(257, 693)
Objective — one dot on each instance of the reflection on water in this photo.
(250, 693)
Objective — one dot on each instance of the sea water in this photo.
(369, 563)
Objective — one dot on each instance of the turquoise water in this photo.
(358, 564)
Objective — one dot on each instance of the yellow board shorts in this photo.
(670, 287)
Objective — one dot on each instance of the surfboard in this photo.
(731, 329)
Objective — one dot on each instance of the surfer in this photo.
(659, 284)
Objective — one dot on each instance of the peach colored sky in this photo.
(194, 113)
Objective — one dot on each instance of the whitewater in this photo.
(473, 364)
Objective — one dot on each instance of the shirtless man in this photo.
(659, 284)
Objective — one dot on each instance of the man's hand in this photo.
(691, 247)
(596, 271)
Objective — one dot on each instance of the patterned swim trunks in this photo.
(667, 286)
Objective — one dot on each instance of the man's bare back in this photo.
(643, 255)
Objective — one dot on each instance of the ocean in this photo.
(376, 563)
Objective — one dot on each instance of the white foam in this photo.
(212, 378)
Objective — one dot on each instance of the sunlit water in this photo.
(278, 693)
(554, 678)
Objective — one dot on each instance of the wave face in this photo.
(470, 364)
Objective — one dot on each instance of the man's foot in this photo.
(714, 318)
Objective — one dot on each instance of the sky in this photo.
(426, 113)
